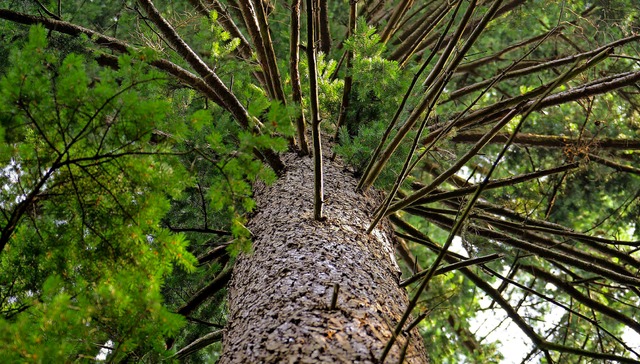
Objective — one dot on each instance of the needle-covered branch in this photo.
(229, 100)
(225, 20)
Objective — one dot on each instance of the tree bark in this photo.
(280, 296)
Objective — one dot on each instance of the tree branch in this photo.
(566, 254)
(617, 166)
(198, 344)
(504, 304)
(228, 99)
(318, 200)
(496, 184)
(216, 285)
(294, 71)
(587, 301)
(551, 141)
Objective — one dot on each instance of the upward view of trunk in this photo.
(280, 296)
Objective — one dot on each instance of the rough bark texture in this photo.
(280, 296)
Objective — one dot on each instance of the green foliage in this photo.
(222, 42)
(100, 167)
(88, 256)
(356, 151)
(366, 41)
(378, 87)
(378, 83)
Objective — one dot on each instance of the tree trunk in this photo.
(280, 296)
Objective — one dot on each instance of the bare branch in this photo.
(315, 114)
(617, 166)
(198, 344)
(294, 58)
(555, 141)
(209, 290)
(589, 302)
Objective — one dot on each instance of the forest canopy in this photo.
(505, 136)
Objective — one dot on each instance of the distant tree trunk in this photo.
(280, 296)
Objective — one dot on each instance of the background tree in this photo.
(504, 135)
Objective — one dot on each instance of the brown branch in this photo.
(419, 9)
(416, 236)
(374, 156)
(22, 207)
(424, 26)
(577, 236)
(435, 84)
(593, 321)
(209, 290)
(122, 47)
(66, 28)
(538, 67)
(467, 337)
(324, 34)
(318, 200)
(270, 54)
(376, 13)
(47, 11)
(495, 184)
(471, 66)
(214, 254)
(197, 83)
(597, 87)
(523, 221)
(422, 12)
(452, 267)
(231, 103)
(398, 12)
(198, 344)
(248, 13)
(526, 234)
(589, 302)
(472, 24)
(348, 79)
(523, 230)
(503, 303)
(618, 167)
(229, 100)
(294, 71)
(567, 255)
(554, 141)
(423, 192)
(601, 86)
(199, 230)
(243, 50)
(457, 224)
